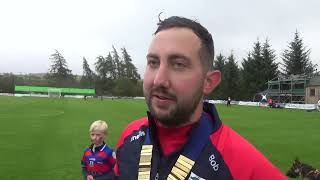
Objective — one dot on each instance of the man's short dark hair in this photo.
(207, 48)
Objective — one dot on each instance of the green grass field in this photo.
(43, 138)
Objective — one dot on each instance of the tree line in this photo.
(114, 74)
(259, 66)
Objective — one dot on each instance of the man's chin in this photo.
(168, 121)
(160, 115)
(161, 111)
(163, 105)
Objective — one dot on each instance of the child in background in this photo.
(229, 101)
(97, 161)
(270, 102)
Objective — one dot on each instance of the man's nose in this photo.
(161, 78)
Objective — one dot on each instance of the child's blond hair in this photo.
(100, 126)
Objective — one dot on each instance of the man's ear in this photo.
(212, 80)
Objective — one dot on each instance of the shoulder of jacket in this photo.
(136, 124)
(133, 126)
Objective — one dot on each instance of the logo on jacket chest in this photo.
(91, 161)
(213, 163)
(136, 137)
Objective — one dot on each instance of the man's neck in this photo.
(172, 139)
(195, 117)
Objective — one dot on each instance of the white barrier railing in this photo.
(241, 103)
(6, 94)
(245, 103)
(249, 103)
(301, 106)
(32, 95)
(217, 101)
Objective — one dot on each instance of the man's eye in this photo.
(179, 65)
(153, 63)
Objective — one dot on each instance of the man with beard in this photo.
(182, 137)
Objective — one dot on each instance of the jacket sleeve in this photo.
(133, 126)
(244, 161)
(112, 159)
(265, 170)
(83, 167)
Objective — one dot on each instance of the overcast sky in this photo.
(31, 30)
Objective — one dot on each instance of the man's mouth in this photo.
(163, 101)
(163, 97)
